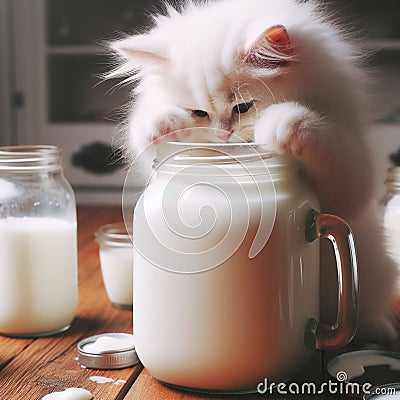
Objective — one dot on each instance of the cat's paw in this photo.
(378, 328)
(168, 122)
(285, 127)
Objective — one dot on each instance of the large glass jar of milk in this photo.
(38, 243)
(226, 278)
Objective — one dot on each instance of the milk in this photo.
(70, 394)
(242, 319)
(107, 344)
(103, 379)
(117, 270)
(38, 275)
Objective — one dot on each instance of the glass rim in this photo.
(182, 152)
(27, 158)
(241, 159)
(114, 235)
(29, 148)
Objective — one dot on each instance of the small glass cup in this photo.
(116, 261)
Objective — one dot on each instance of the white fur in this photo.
(313, 108)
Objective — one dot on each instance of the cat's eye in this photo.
(242, 107)
(200, 113)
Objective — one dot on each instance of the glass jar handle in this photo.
(339, 233)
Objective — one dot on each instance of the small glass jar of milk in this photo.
(391, 218)
(38, 243)
(116, 260)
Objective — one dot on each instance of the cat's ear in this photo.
(140, 49)
(271, 49)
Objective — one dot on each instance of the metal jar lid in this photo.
(108, 359)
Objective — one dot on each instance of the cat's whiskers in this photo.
(115, 87)
(125, 82)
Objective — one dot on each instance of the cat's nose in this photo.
(225, 135)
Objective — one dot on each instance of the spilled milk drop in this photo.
(103, 379)
(69, 394)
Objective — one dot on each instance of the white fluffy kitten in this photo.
(279, 73)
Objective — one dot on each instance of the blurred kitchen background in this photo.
(50, 92)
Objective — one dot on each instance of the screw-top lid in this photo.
(108, 351)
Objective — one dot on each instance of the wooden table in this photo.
(31, 368)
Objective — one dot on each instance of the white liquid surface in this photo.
(70, 394)
(38, 275)
(106, 344)
(103, 379)
(117, 271)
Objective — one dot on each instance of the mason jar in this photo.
(226, 278)
(38, 242)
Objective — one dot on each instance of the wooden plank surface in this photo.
(148, 388)
(32, 368)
